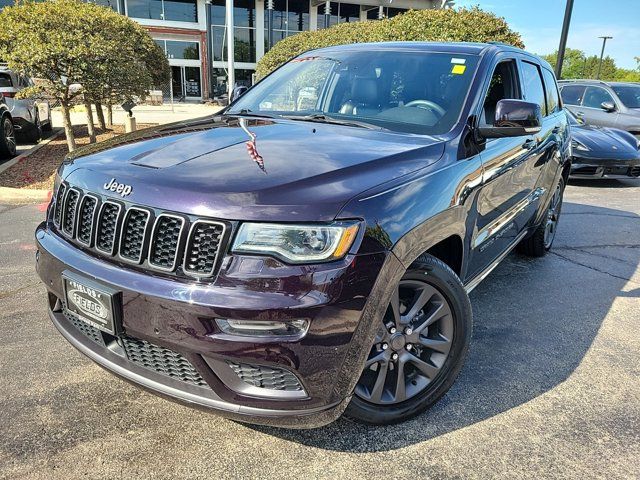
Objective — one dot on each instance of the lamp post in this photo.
(231, 77)
(604, 43)
(563, 37)
(270, 23)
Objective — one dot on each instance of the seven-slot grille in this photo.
(157, 240)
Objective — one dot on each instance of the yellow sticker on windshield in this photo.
(458, 69)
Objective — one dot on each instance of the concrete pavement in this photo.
(551, 388)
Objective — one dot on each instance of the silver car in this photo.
(604, 104)
(31, 116)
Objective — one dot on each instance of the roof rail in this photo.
(581, 80)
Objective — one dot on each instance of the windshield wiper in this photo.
(322, 118)
(249, 113)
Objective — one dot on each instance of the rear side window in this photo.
(533, 89)
(594, 97)
(553, 100)
(5, 81)
(572, 94)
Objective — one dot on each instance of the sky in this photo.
(540, 23)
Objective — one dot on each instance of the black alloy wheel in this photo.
(419, 348)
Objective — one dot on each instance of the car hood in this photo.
(250, 168)
(605, 142)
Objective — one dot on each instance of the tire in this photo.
(47, 127)
(540, 242)
(426, 364)
(7, 138)
(34, 134)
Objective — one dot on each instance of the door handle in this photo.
(579, 114)
(555, 130)
(530, 144)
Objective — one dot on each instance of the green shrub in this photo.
(463, 25)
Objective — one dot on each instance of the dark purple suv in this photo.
(309, 250)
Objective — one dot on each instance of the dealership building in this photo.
(205, 40)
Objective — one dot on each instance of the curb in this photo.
(13, 161)
(25, 195)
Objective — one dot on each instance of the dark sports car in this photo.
(600, 152)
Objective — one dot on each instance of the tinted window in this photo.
(184, 50)
(595, 96)
(503, 85)
(5, 80)
(628, 94)
(533, 89)
(414, 92)
(572, 94)
(553, 101)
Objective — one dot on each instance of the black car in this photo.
(7, 132)
(599, 152)
(309, 251)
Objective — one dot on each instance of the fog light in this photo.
(260, 328)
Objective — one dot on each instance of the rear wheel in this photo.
(35, 131)
(420, 346)
(538, 244)
(7, 138)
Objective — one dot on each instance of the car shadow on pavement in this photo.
(534, 320)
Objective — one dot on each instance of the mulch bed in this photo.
(37, 170)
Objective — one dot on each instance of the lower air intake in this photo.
(266, 377)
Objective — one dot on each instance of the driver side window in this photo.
(504, 85)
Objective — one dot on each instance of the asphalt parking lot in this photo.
(551, 388)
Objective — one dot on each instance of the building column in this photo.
(231, 74)
(260, 16)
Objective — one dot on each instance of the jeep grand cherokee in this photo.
(309, 250)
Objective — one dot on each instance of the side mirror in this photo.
(608, 106)
(514, 118)
(238, 92)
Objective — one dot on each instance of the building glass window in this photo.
(243, 76)
(388, 12)
(244, 19)
(180, 50)
(289, 17)
(112, 4)
(172, 10)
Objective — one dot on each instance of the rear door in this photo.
(591, 110)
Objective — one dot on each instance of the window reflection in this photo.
(244, 32)
(172, 10)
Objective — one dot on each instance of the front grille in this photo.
(133, 232)
(161, 360)
(153, 239)
(153, 357)
(269, 378)
(107, 227)
(585, 171)
(85, 219)
(166, 240)
(57, 212)
(202, 247)
(69, 211)
(89, 331)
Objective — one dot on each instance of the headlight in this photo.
(297, 243)
(576, 145)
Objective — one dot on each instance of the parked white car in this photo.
(30, 116)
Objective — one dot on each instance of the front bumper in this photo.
(177, 319)
(593, 168)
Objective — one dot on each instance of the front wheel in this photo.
(419, 349)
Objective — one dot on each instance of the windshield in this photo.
(628, 94)
(410, 92)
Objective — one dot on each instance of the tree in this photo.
(577, 64)
(447, 25)
(80, 50)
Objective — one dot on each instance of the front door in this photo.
(591, 110)
(186, 83)
(176, 83)
(511, 171)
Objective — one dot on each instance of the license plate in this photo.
(91, 302)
